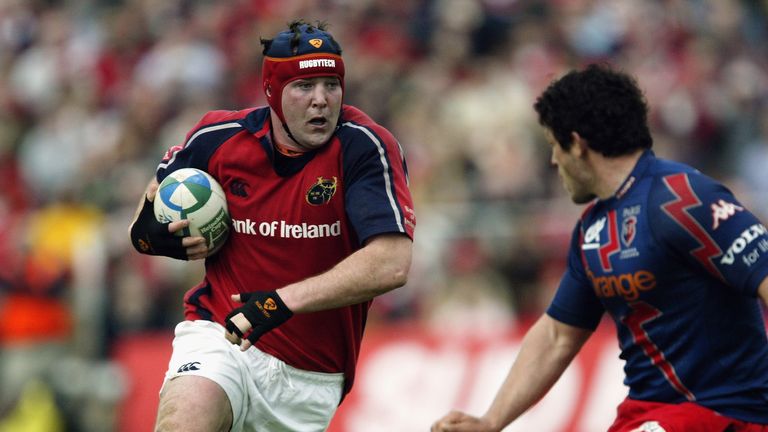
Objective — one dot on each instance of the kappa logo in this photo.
(189, 367)
(317, 43)
(721, 211)
(321, 192)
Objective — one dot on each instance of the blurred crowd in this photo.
(92, 93)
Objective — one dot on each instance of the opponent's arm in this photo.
(149, 236)
(547, 349)
(376, 268)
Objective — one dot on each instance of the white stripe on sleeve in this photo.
(385, 173)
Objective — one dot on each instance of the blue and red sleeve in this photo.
(377, 196)
(704, 222)
(575, 302)
(213, 129)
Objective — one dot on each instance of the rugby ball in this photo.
(190, 193)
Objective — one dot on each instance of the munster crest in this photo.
(321, 192)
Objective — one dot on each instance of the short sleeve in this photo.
(201, 142)
(575, 302)
(377, 196)
(704, 223)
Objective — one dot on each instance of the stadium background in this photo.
(93, 92)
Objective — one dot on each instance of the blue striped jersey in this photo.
(675, 260)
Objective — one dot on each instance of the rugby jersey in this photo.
(676, 260)
(293, 218)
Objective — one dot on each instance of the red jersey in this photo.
(293, 218)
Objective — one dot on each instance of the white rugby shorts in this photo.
(265, 393)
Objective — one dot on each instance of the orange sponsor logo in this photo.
(317, 43)
(270, 304)
(627, 285)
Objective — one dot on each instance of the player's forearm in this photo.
(380, 266)
(546, 352)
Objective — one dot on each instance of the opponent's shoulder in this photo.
(685, 201)
(680, 181)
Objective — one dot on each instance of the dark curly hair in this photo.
(604, 106)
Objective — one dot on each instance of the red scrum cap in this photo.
(302, 51)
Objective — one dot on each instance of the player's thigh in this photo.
(193, 403)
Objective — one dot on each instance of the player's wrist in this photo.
(263, 311)
(288, 299)
(492, 422)
(280, 311)
(151, 237)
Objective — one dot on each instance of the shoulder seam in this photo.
(201, 131)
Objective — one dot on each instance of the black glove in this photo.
(265, 310)
(153, 238)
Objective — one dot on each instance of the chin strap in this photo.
(290, 134)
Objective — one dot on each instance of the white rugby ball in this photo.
(190, 193)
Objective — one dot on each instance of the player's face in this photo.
(311, 108)
(573, 170)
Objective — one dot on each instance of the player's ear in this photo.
(579, 144)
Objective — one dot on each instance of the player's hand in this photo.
(151, 237)
(456, 421)
(261, 312)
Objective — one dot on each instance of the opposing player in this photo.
(322, 223)
(670, 254)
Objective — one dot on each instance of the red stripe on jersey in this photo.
(612, 246)
(643, 313)
(679, 210)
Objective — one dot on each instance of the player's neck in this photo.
(612, 172)
(288, 151)
(282, 141)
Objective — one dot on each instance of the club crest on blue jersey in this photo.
(321, 192)
(628, 230)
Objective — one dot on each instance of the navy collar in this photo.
(641, 166)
